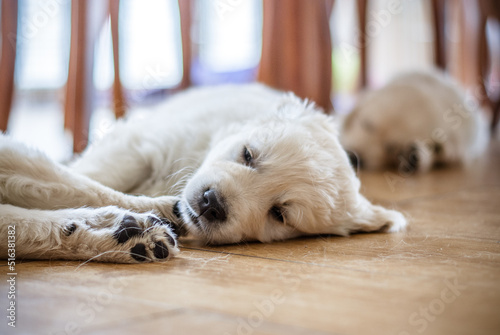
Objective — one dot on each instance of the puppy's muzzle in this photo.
(211, 205)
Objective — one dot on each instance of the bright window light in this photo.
(230, 34)
(43, 44)
(150, 50)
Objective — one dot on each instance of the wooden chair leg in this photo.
(185, 10)
(119, 102)
(363, 52)
(69, 102)
(438, 20)
(79, 96)
(296, 48)
(7, 60)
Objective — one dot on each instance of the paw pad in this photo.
(128, 228)
(138, 252)
(160, 250)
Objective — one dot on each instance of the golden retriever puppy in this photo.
(417, 121)
(224, 165)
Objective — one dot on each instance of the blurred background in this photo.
(69, 69)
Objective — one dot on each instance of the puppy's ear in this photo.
(365, 217)
(371, 218)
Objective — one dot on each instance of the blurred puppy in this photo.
(415, 122)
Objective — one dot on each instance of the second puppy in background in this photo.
(417, 121)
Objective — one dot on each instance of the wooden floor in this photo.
(442, 276)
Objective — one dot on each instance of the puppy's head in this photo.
(278, 178)
(366, 131)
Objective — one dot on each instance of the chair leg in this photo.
(438, 16)
(79, 86)
(185, 10)
(8, 60)
(85, 24)
(363, 52)
(69, 103)
(119, 103)
(296, 49)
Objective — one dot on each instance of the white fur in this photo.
(418, 120)
(194, 142)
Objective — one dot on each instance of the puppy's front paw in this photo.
(148, 238)
(112, 234)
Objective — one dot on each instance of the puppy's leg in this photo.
(29, 179)
(107, 234)
(122, 160)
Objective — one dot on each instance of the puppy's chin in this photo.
(191, 225)
(194, 227)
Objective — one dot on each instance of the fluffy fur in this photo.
(224, 164)
(415, 122)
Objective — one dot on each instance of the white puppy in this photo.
(416, 121)
(224, 164)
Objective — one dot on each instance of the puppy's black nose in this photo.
(211, 207)
(355, 159)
